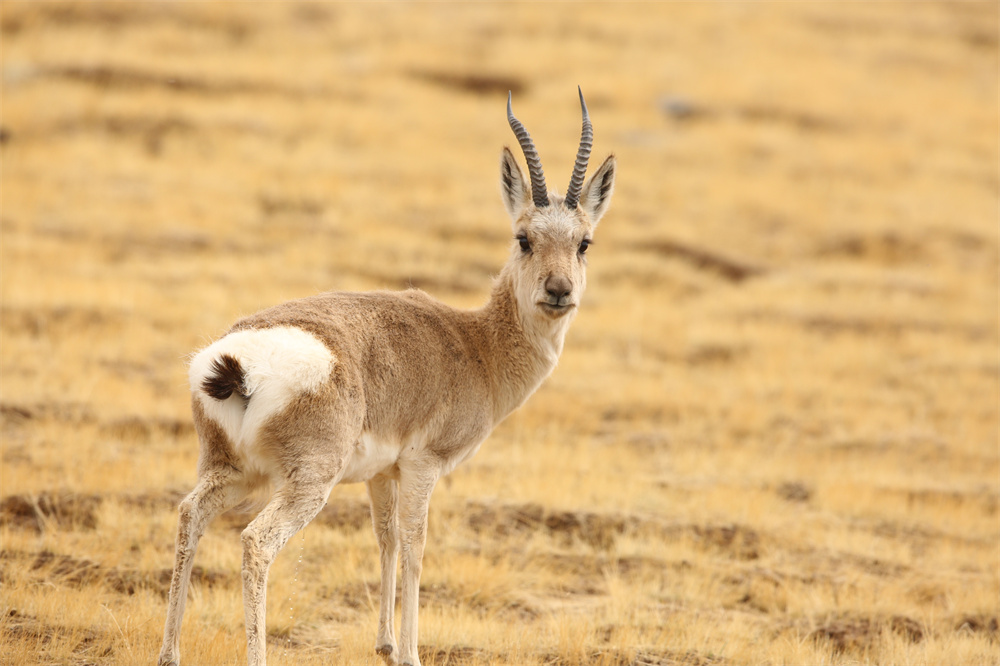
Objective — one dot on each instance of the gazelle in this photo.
(393, 389)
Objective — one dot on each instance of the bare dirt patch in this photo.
(479, 84)
(636, 658)
(729, 268)
(59, 321)
(594, 529)
(81, 572)
(128, 79)
(24, 632)
(858, 635)
(988, 625)
(136, 429)
(601, 531)
(50, 511)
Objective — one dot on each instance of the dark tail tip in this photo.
(227, 377)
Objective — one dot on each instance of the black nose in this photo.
(558, 287)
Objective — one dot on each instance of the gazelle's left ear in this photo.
(596, 195)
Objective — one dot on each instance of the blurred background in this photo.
(772, 437)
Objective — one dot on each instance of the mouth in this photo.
(555, 311)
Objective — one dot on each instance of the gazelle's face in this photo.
(553, 233)
(549, 255)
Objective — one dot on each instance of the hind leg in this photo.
(216, 491)
(291, 508)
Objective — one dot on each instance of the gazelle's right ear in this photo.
(514, 188)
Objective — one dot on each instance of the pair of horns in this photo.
(539, 193)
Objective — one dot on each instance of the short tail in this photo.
(225, 378)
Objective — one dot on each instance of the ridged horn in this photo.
(582, 157)
(539, 193)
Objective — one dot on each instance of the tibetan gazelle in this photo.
(392, 389)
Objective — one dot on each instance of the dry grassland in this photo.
(773, 435)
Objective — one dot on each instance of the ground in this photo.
(772, 437)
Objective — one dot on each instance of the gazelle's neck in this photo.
(525, 345)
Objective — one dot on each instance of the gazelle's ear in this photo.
(514, 189)
(596, 195)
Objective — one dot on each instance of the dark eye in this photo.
(525, 245)
(584, 244)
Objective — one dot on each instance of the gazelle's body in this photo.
(393, 389)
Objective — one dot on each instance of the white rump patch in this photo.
(279, 365)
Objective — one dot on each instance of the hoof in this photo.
(386, 652)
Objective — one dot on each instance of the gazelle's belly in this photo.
(370, 458)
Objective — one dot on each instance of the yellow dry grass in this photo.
(773, 435)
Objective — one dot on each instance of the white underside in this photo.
(280, 364)
(370, 458)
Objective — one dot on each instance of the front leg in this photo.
(415, 487)
(382, 494)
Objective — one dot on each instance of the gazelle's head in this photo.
(549, 259)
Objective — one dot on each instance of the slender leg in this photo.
(415, 487)
(291, 508)
(215, 492)
(382, 494)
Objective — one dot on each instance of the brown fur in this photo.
(411, 364)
